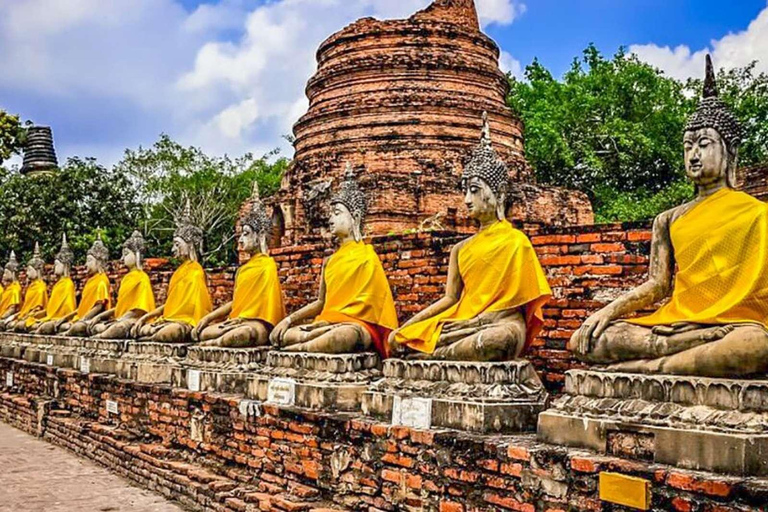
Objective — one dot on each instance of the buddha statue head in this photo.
(35, 265)
(256, 225)
(485, 180)
(64, 259)
(133, 249)
(188, 237)
(712, 138)
(348, 209)
(97, 257)
(9, 272)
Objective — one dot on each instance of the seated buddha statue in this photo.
(708, 257)
(135, 297)
(354, 310)
(35, 296)
(188, 299)
(96, 297)
(62, 302)
(10, 299)
(496, 288)
(257, 303)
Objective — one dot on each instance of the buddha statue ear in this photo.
(357, 230)
(501, 203)
(733, 165)
(263, 246)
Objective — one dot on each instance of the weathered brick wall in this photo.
(199, 449)
(754, 181)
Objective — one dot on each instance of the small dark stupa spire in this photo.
(710, 82)
(39, 153)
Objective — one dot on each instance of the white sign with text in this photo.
(112, 407)
(9, 379)
(85, 365)
(412, 412)
(282, 391)
(193, 380)
(49, 360)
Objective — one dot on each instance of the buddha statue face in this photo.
(342, 224)
(32, 274)
(130, 258)
(249, 240)
(181, 248)
(92, 265)
(59, 268)
(8, 276)
(706, 156)
(482, 203)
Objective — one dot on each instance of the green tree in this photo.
(80, 198)
(12, 135)
(167, 174)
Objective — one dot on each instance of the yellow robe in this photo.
(258, 295)
(62, 301)
(188, 298)
(11, 297)
(96, 290)
(36, 296)
(135, 293)
(721, 250)
(357, 291)
(500, 271)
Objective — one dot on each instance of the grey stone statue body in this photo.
(683, 348)
(105, 325)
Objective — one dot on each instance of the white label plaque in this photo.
(112, 407)
(85, 365)
(49, 360)
(9, 379)
(412, 412)
(250, 408)
(193, 380)
(282, 391)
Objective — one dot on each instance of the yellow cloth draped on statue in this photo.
(258, 295)
(61, 303)
(357, 291)
(96, 290)
(36, 296)
(135, 293)
(10, 297)
(721, 250)
(188, 298)
(500, 271)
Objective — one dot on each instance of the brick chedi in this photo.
(402, 100)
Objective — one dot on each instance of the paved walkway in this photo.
(37, 476)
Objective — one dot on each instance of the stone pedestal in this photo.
(100, 356)
(59, 351)
(223, 370)
(14, 345)
(476, 397)
(696, 423)
(150, 363)
(316, 381)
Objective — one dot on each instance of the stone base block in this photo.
(222, 370)
(150, 363)
(14, 345)
(475, 397)
(59, 351)
(696, 423)
(103, 356)
(318, 381)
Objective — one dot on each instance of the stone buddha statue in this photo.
(10, 299)
(188, 300)
(35, 296)
(496, 288)
(135, 297)
(96, 297)
(354, 310)
(708, 257)
(62, 302)
(257, 304)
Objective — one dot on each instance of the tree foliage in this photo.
(80, 198)
(613, 128)
(12, 135)
(168, 174)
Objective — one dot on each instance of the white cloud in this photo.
(228, 76)
(509, 64)
(734, 50)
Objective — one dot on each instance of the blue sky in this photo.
(229, 75)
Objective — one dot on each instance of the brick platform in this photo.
(201, 449)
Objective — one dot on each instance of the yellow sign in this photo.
(628, 491)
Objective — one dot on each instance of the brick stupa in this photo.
(402, 100)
